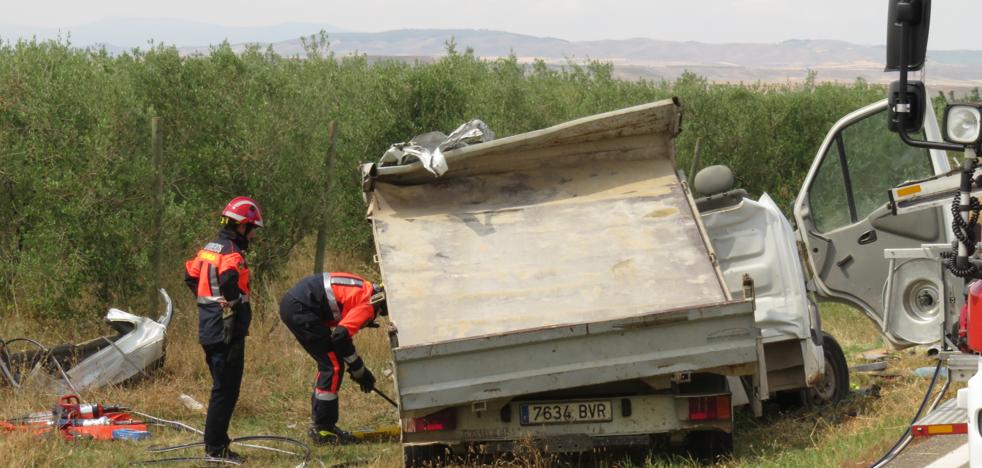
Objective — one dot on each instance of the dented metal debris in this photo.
(136, 347)
(428, 148)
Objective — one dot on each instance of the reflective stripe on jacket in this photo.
(348, 297)
(209, 265)
(338, 299)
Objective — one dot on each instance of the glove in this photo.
(364, 377)
(356, 367)
(342, 343)
(228, 322)
(228, 327)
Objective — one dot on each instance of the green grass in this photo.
(854, 433)
(275, 396)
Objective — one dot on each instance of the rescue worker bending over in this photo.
(310, 309)
(219, 277)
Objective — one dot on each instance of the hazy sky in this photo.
(859, 21)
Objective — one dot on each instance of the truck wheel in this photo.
(710, 446)
(415, 456)
(834, 387)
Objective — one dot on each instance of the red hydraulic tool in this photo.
(77, 420)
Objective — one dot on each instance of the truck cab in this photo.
(845, 220)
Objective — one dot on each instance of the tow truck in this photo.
(958, 262)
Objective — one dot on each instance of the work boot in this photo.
(224, 453)
(331, 435)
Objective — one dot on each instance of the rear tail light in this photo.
(443, 420)
(709, 408)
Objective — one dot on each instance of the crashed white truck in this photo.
(565, 288)
(136, 349)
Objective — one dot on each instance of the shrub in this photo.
(76, 192)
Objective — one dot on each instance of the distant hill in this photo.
(633, 58)
(658, 59)
(128, 33)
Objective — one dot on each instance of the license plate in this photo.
(560, 412)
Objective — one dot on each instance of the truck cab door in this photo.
(845, 221)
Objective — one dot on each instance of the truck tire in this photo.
(834, 387)
(710, 446)
(417, 456)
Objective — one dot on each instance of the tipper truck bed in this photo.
(557, 285)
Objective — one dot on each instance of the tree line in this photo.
(77, 192)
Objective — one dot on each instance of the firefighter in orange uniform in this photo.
(324, 311)
(219, 277)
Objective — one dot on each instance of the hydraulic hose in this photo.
(964, 219)
(185, 427)
(963, 231)
(907, 436)
(172, 424)
(241, 441)
(305, 451)
(161, 461)
(385, 397)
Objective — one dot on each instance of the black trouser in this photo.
(315, 338)
(226, 363)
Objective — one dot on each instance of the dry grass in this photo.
(276, 386)
(275, 396)
(854, 433)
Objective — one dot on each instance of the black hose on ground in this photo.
(161, 461)
(185, 427)
(907, 436)
(241, 441)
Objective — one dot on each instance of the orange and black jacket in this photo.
(338, 299)
(219, 274)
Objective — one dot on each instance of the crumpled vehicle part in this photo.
(137, 348)
(428, 148)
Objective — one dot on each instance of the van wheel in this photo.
(834, 387)
(415, 456)
(710, 446)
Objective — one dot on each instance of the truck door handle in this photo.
(868, 237)
(845, 261)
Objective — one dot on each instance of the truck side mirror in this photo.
(907, 30)
(909, 49)
(916, 101)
